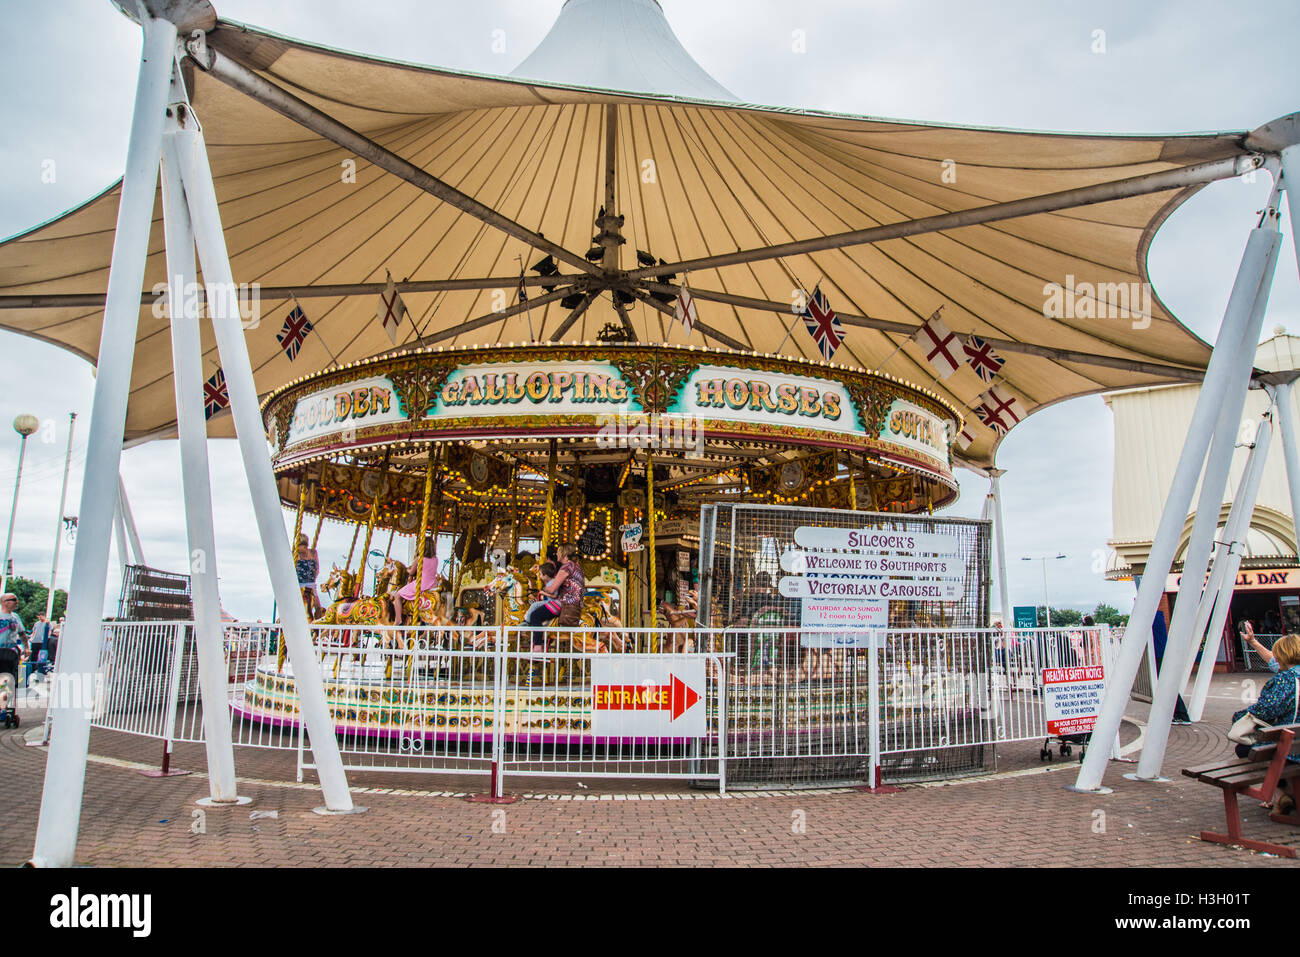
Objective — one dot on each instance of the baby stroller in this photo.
(1067, 742)
(9, 687)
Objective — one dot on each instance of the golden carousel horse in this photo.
(345, 610)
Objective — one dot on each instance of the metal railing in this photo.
(779, 707)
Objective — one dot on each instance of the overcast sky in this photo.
(68, 69)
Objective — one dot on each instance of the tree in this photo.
(32, 596)
(1109, 615)
(1061, 617)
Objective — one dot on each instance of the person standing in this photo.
(1160, 637)
(12, 632)
(35, 644)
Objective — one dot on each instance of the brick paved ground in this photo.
(1020, 817)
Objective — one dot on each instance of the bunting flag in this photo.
(964, 438)
(685, 309)
(822, 324)
(215, 396)
(981, 357)
(999, 410)
(940, 346)
(296, 328)
(391, 310)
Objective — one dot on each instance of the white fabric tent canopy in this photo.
(693, 177)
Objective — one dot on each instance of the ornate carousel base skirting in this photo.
(366, 704)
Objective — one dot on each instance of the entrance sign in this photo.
(1072, 698)
(634, 696)
(862, 588)
(875, 540)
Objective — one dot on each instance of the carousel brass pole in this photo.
(389, 550)
(853, 488)
(352, 549)
(424, 521)
(297, 522)
(370, 526)
(514, 516)
(464, 556)
(650, 527)
(550, 500)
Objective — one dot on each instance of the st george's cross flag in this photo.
(685, 309)
(391, 310)
(981, 357)
(215, 396)
(999, 410)
(822, 324)
(296, 328)
(941, 346)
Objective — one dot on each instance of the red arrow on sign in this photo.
(675, 697)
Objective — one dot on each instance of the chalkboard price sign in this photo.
(592, 542)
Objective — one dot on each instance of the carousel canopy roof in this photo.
(693, 180)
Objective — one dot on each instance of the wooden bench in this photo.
(1256, 777)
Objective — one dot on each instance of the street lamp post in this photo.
(1047, 608)
(24, 425)
(58, 524)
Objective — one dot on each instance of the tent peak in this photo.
(624, 45)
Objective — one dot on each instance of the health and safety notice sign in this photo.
(1072, 698)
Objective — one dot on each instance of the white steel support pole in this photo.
(1179, 499)
(187, 361)
(1227, 561)
(58, 523)
(1214, 598)
(200, 194)
(1179, 653)
(1286, 423)
(1291, 183)
(128, 523)
(119, 529)
(65, 767)
(1000, 534)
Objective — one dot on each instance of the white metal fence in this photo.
(768, 708)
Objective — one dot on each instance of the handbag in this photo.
(1244, 728)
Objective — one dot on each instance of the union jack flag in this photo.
(684, 309)
(822, 323)
(999, 410)
(296, 327)
(981, 357)
(215, 396)
(964, 438)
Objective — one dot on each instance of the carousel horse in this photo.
(428, 607)
(344, 610)
(390, 578)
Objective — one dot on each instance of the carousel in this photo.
(497, 456)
